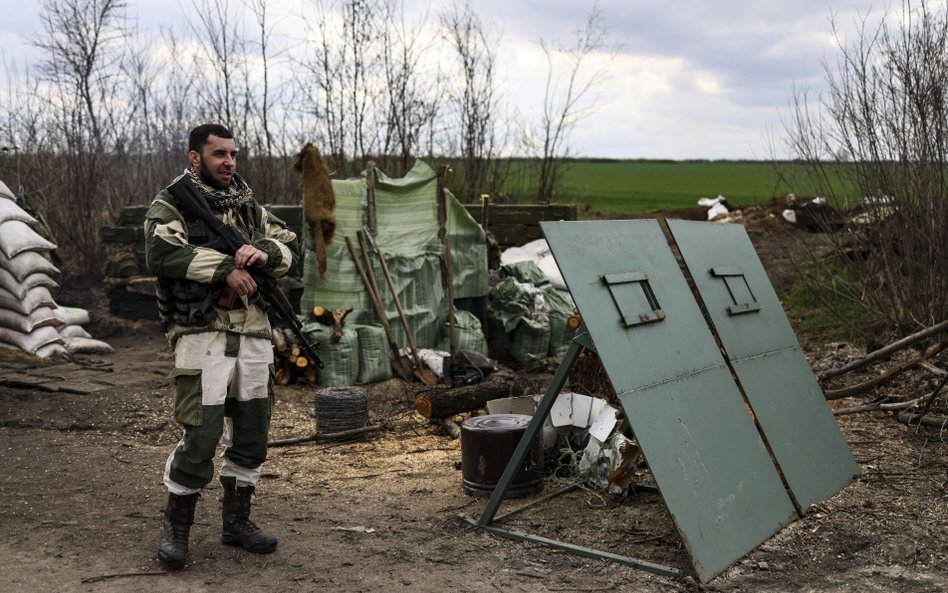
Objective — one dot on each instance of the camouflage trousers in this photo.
(223, 396)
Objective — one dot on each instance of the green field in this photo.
(644, 186)
(647, 186)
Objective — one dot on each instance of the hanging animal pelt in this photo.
(319, 201)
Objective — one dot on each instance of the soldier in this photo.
(220, 334)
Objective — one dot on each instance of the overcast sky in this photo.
(693, 79)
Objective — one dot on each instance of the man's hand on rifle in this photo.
(241, 282)
(248, 255)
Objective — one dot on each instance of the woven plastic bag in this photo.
(16, 237)
(374, 355)
(26, 263)
(340, 359)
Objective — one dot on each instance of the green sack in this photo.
(527, 272)
(340, 359)
(374, 358)
(468, 333)
(561, 308)
(530, 340)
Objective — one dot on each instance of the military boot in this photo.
(239, 530)
(175, 527)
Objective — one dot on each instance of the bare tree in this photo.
(411, 99)
(217, 27)
(341, 91)
(81, 39)
(877, 141)
(477, 102)
(573, 77)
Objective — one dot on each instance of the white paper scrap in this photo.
(582, 404)
(561, 413)
(604, 423)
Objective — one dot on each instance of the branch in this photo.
(886, 376)
(885, 351)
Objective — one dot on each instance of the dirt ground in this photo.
(82, 497)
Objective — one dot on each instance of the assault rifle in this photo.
(189, 200)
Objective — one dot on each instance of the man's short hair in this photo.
(198, 136)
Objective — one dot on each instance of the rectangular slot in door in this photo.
(634, 298)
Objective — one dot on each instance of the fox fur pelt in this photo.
(319, 201)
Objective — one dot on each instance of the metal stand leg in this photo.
(533, 429)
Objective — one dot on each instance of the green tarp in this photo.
(407, 233)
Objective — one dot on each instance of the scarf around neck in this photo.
(237, 193)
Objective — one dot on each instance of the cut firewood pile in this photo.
(905, 378)
(290, 362)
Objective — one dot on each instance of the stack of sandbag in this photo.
(75, 337)
(30, 319)
(527, 315)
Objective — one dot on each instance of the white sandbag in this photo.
(51, 351)
(32, 341)
(5, 191)
(9, 210)
(19, 288)
(16, 237)
(26, 263)
(87, 346)
(532, 251)
(72, 315)
(41, 317)
(34, 298)
(549, 268)
(74, 331)
(15, 320)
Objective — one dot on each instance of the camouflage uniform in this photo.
(223, 357)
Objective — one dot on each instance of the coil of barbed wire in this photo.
(341, 408)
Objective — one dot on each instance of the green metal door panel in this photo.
(711, 467)
(611, 268)
(732, 282)
(717, 479)
(802, 433)
(767, 358)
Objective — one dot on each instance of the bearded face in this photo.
(216, 162)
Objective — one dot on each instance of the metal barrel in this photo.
(487, 444)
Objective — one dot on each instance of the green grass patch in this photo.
(643, 186)
(640, 186)
(818, 307)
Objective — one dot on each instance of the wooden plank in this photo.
(132, 215)
(291, 215)
(523, 213)
(515, 234)
(122, 234)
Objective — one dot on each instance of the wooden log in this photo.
(279, 342)
(445, 402)
(877, 406)
(450, 427)
(940, 422)
(938, 372)
(293, 345)
(886, 376)
(885, 351)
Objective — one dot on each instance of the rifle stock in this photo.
(190, 200)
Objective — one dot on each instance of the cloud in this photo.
(691, 79)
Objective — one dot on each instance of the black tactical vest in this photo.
(186, 302)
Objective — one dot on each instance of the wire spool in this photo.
(341, 408)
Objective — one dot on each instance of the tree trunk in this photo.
(445, 402)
